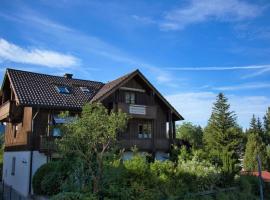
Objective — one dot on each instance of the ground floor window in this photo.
(13, 166)
(145, 130)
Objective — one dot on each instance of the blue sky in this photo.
(190, 49)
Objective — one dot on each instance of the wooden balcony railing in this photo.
(146, 144)
(5, 111)
(138, 111)
(47, 144)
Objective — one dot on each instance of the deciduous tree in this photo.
(191, 133)
(89, 138)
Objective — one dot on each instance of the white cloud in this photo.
(219, 68)
(202, 10)
(246, 86)
(74, 39)
(197, 106)
(144, 20)
(14, 53)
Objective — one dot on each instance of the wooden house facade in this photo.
(30, 103)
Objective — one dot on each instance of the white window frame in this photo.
(85, 89)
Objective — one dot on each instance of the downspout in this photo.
(31, 154)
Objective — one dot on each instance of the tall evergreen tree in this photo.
(253, 125)
(260, 128)
(254, 147)
(222, 136)
(267, 126)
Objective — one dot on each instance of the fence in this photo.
(9, 193)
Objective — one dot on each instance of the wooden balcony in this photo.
(47, 144)
(6, 110)
(146, 144)
(138, 111)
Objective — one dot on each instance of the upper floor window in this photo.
(62, 89)
(85, 89)
(145, 130)
(15, 129)
(130, 97)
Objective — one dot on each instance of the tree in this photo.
(89, 138)
(266, 119)
(191, 133)
(254, 147)
(223, 137)
(253, 125)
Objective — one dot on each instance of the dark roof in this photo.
(110, 86)
(39, 90)
(34, 89)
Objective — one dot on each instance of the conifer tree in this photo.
(267, 126)
(254, 147)
(253, 125)
(223, 137)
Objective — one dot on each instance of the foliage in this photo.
(266, 119)
(223, 138)
(201, 175)
(73, 196)
(89, 138)
(191, 133)
(139, 179)
(40, 175)
(254, 147)
(49, 177)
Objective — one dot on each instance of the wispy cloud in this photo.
(246, 86)
(144, 20)
(14, 53)
(196, 106)
(257, 73)
(199, 11)
(220, 68)
(89, 44)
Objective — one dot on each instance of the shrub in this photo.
(49, 178)
(73, 196)
(39, 176)
(198, 175)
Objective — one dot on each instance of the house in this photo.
(30, 104)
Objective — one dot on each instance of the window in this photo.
(15, 129)
(62, 89)
(130, 97)
(56, 132)
(145, 130)
(85, 89)
(167, 130)
(13, 166)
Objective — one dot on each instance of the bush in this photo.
(73, 196)
(198, 175)
(40, 175)
(49, 178)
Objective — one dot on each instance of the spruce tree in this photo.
(223, 137)
(267, 126)
(254, 147)
(253, 125)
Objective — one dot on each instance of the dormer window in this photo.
(85, 89)
(62, 89)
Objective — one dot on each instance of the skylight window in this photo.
(62, 89)
(85, 89)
